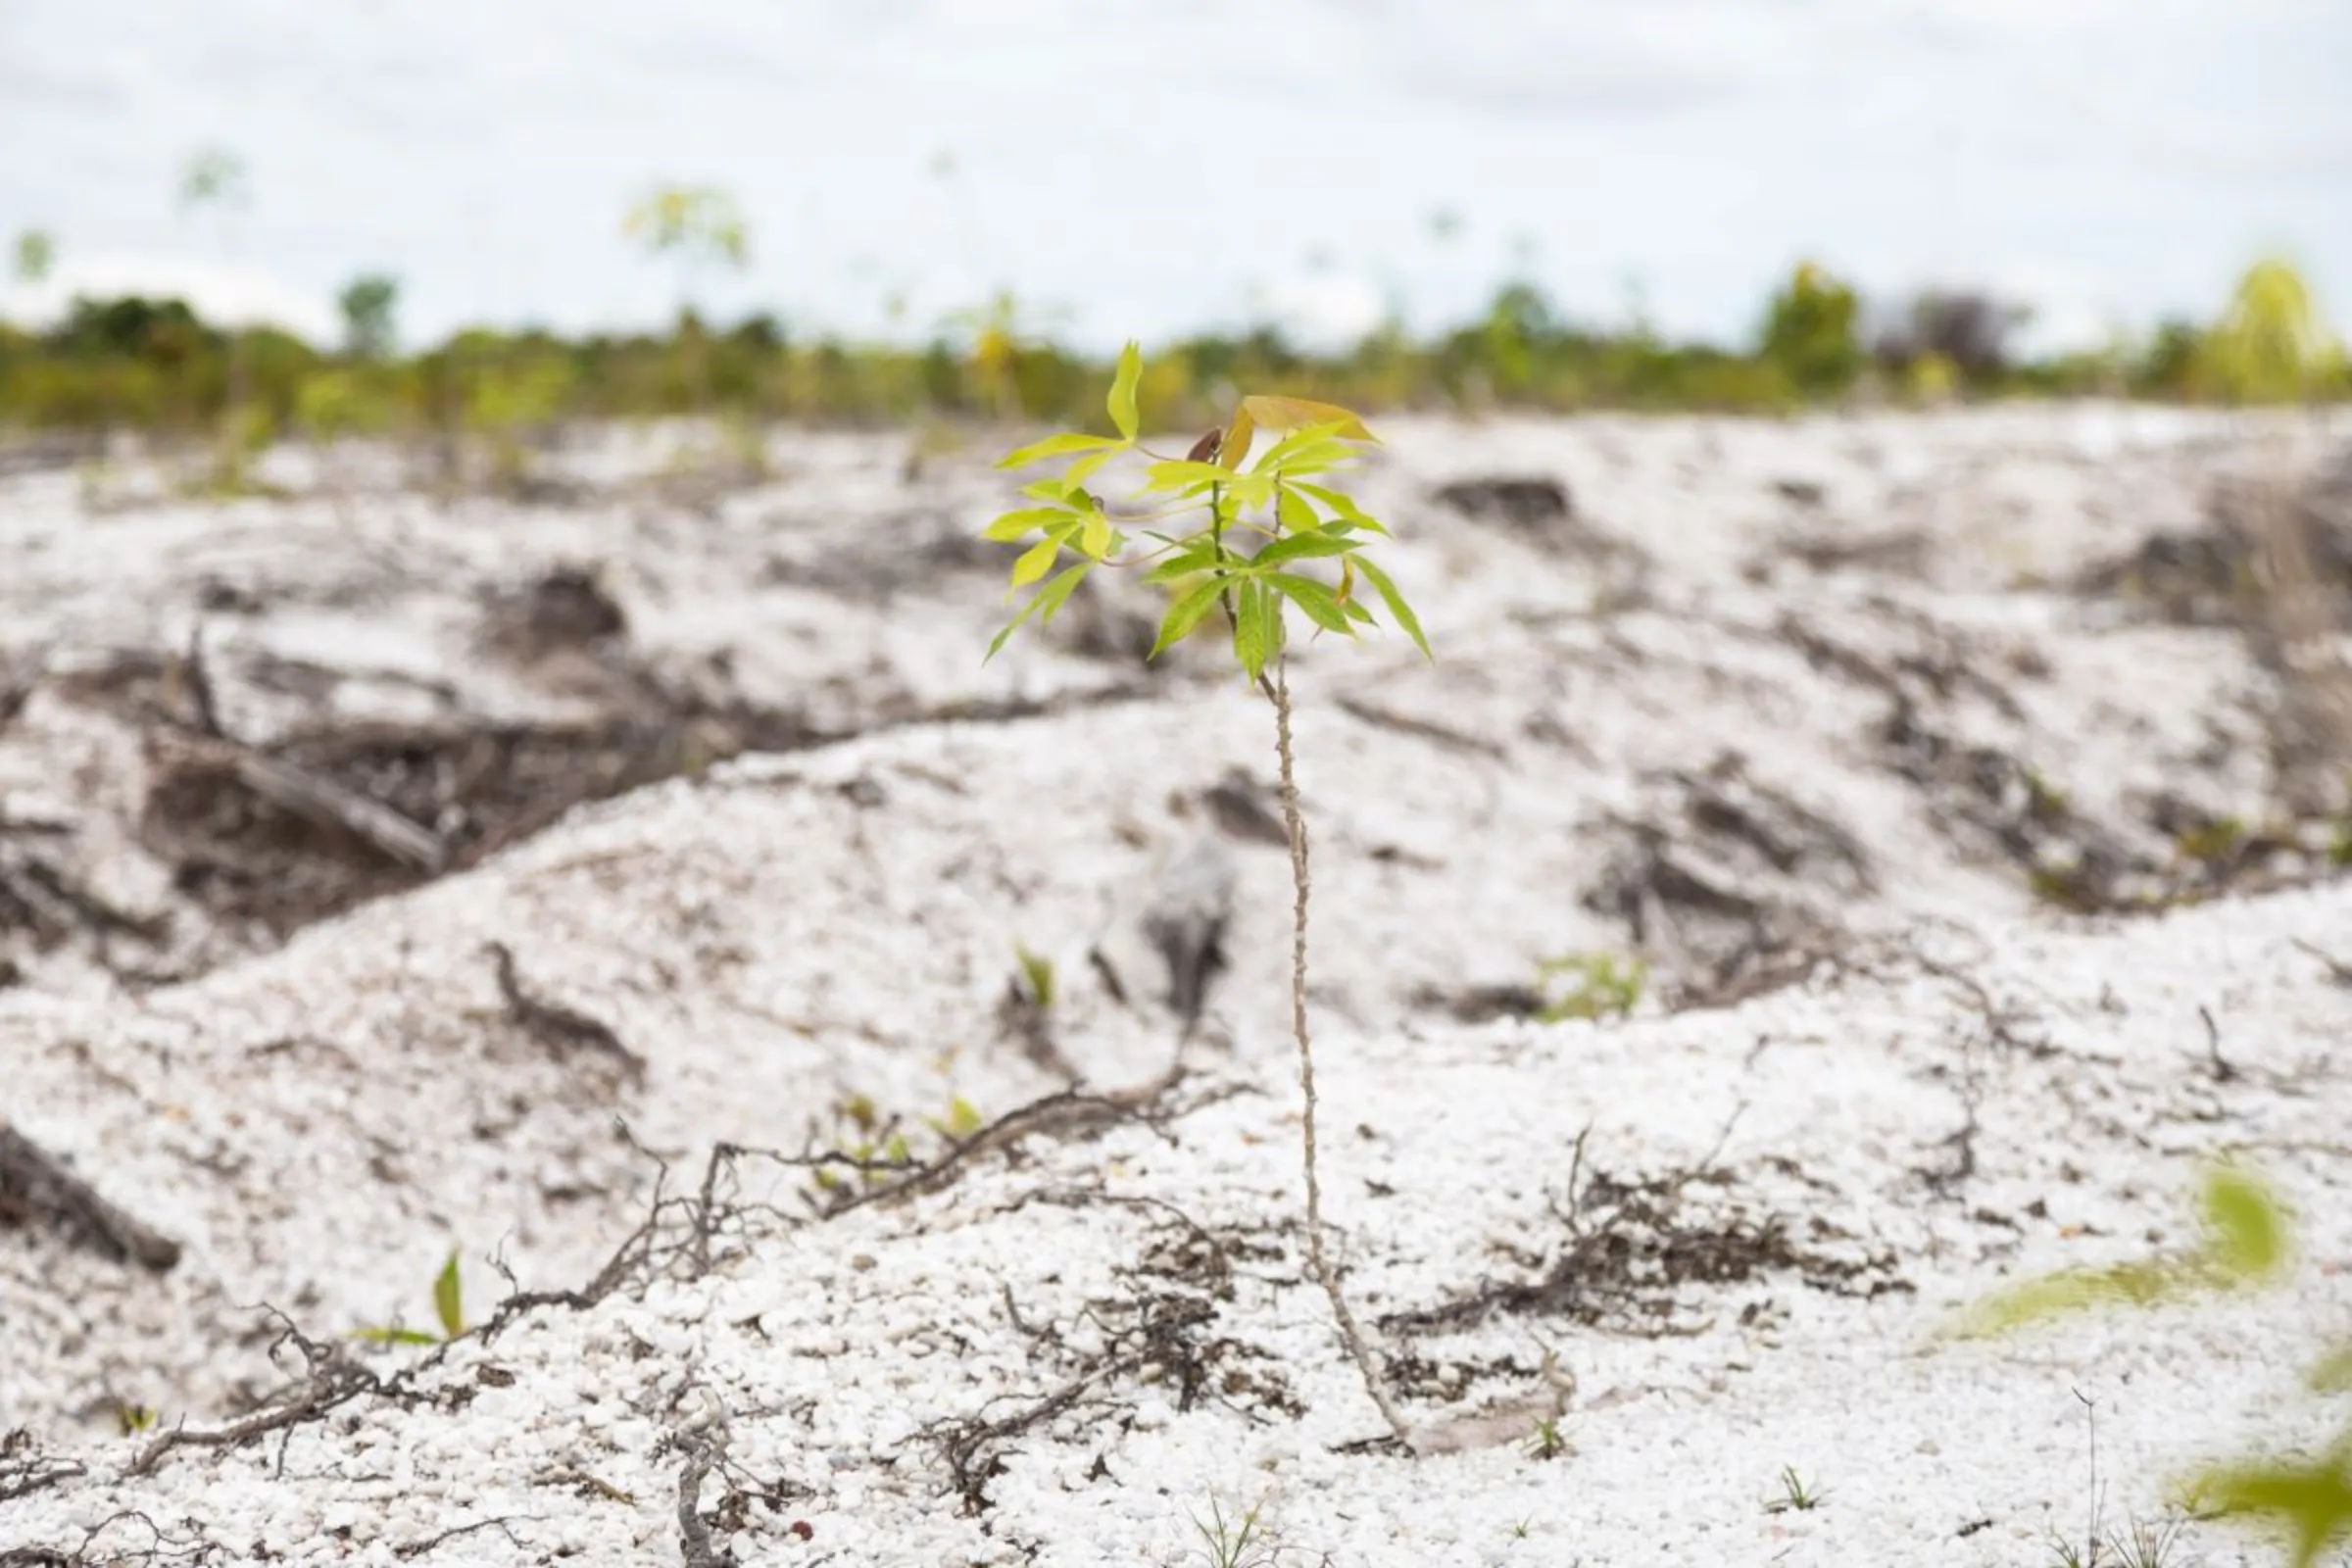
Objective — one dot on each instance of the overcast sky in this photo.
(1143, 169)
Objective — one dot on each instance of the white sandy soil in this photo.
(1768, 1206)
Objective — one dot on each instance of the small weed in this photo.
(2147, 1544)
(2044, 800)
(132, 1419)
(449, 1306)
(2143, 1544)
(2066, 1554)
(1037, 971)
(2066, 888)
(874, 1150)
(1601, 986)
(1795, 1495)
(2214, 842)
(1227, 1542)
(1548, 1443)
(961, 1120)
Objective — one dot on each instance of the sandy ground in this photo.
(1936, 767)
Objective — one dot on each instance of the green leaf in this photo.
(448, 1301)
(1257, 627)
(1308, 451)
(1049, 490)
(1244, 491)
(1052, 595)
(1296, 513)
(2311, 1502)
(1121, 404)
(1314, 599)
(2069, 1292)
(1078, 471)
(1398, 609)
(1047, 599)
(394, 1335)
(1016, 525)
(1175, 473)
(1038, 559)
(1304, 546)
(1271, 626)
(2246, 1228)
(2333, 1374)
(1038, 970)
(1055, 445)
(1185, 614)
(963, 1120)
(1095, 538)
(1342, 505)
(1185, 562)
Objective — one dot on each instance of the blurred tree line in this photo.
(154, 365)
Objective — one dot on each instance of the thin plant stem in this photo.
(1302, 884)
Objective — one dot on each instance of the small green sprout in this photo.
(1795, 1495)
(1227, 1542)
(1037, 972)
(961, 1121)
(2214, 842)
(449, 1306)
(1548, 1443)
(874, 1150)
(1603, 986)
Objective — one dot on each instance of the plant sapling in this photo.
(1256, 530)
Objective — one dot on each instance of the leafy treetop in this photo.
(1265, 522)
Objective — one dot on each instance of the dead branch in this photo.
(163, 1547)
(694, 1535)
(330, 1379)
(1065, 1111)
(23, 1472)
(964, 1444)
(418, 1549)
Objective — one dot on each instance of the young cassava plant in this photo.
(1263, 535)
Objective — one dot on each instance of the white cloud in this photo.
(1140, 162)
(1325, 310)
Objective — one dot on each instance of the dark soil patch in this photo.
(477, 787)
(1638, 1253)
(1730, 882)
(1528, 504)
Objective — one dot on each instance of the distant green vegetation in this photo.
(154, 365)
